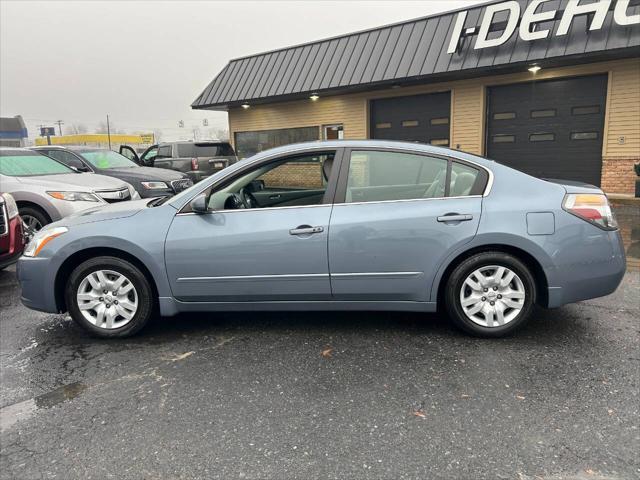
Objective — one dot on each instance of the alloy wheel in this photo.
(31, 225)
(107, 299)
(492, 296)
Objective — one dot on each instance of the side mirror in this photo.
(199, 204)
(257, 185)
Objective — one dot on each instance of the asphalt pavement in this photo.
(323, 395)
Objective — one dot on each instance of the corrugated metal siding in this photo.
(410, 50)
(623, 114)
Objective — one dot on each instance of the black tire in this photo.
(136, 277)
(36, 213)
(459, 275)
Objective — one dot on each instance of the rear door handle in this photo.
(275, 197)
(454, 217)
(306, 230)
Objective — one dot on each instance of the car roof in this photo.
(199, 142)
(72, 148)
(379, 144)
(16, 149)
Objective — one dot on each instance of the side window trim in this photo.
(329, 194)
(478, 190)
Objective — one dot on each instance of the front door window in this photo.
(290, 182)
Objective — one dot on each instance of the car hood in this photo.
(143, 174)
(107, 212)
(74, 182)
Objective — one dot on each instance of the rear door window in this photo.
(463, 180)
(382, 176)
(205, 150)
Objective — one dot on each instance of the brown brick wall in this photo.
(618, 175)
(303, 175)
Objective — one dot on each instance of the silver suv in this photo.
(47, 190)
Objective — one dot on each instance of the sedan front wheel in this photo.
(490, 294)
(109, 297)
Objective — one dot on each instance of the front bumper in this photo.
(159, 192)
(37, 280)
(197, 176)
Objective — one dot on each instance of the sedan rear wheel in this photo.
(109, 297)
(490, 294)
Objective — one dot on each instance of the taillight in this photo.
(194, 164)
(593, 208)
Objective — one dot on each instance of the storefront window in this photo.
(250, 143)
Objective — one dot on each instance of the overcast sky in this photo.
(144, 62)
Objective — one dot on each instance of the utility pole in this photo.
(108, 132)
(59, 123)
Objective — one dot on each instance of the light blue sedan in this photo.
(338, 225)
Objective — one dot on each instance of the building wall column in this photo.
(622, 129)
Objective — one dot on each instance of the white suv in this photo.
(47, 190)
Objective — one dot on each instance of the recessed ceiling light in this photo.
(245, 105)
(314, 96)
(535, 69)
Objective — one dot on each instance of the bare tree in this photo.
(75, 129)
(218, 134)
(102, 128)
(157, 135)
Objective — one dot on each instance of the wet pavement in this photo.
(326, 395)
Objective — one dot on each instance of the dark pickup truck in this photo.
(197, 159)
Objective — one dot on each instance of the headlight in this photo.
(41, 238)
(75, 196)
(154, 185)
(10, 203)
(134, 194)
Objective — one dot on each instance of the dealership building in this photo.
(550, 87)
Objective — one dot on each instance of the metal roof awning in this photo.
(488, 38)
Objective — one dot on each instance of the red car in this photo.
(12, 239)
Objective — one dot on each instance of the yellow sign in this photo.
(94, 139)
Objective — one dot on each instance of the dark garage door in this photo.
(418, 118)
(549, 129)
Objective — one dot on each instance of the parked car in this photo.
(12, 239)
(47, 190)
(148, 182)
(336, 225)
(197, 159)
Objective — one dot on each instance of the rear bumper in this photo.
(590, 278)
(36, 280)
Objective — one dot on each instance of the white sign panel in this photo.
(528, 21)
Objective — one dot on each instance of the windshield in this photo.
(27, 164)
(106, 159)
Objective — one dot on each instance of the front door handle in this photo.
(306, 230)
(454, 217)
